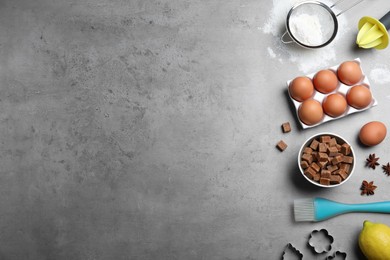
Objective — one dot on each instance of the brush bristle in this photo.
(304, 210)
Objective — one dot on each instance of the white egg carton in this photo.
(342, 89)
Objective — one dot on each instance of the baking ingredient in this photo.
(327, 160)
(325, 81)
(310, 112)
(372, 161)
(301, 88)
(359, 97)
(306, 29)
(372, 133)
(286, 128)
(367, 188)
(281, 145)
(386, 168)
(349, 72)
(374, 240)
(334, 105)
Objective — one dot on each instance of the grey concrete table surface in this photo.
(147, 130)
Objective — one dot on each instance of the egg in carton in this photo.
(331, 94)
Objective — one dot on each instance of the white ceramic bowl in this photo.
(339, 140)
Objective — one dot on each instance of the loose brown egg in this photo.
(372, 133)
(325, 81)
(301, 88)
(349, 72)
(310, 112)
(359, 97)
(334, 105)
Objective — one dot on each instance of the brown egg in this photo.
(334, 105)
(325, 81)
(349, 72)
(301, 88)
(372, 133)
(359, 97)
(310, 112)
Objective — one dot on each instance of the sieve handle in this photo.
(282, 39)
(343, 11)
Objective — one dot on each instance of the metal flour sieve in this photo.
(312, 24)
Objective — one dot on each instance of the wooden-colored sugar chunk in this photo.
(304, 165)
(286, 127)
(322, 148)
(345, 149)
(324, 181)
(342, 174)
(348, 159)
(308, 150)
(310, 173)
(315, 166)
(332, 168)
(332, 151)
(323, 164)
(325, 139)
(325, 174)
(332, 142)
(281, 145)
(337, 159)
(335, 179)
(307, 157)
(345, 167)
(322, 157)
(314, 145)
(317, 177)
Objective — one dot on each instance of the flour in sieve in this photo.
(307, 29)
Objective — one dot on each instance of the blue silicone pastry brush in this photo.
(319, 209)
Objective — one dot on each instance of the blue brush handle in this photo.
(324, 208)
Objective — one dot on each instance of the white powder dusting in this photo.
(307, 29)
(380, 75)
(306, 60)
(271, 52)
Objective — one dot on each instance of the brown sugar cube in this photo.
(332, 168)
(337, 159)
(322, 157)
(345, 167)
(322, 148)
(304, 165)
(332, 142)
(314, 145)
(315, 166)
(325, 174)
(324, 181)
(307, 157)
(335, 179)
(308, 150)
(332, 151)
(281, 145)
(310, 172)
(317, 177)
(342, 174)
(345, 149)
(338, 147)
(323, 164)
(286, 127)
(315, 156)
(325, 139)
(348, 159)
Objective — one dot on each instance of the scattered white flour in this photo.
(380, 75)
(307, 29)
(271, 52)
(306, 60)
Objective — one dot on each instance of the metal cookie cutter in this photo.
(320, 241)
(291, 253)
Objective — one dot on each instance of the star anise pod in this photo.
(386, 168)
(372, 161)
(367, 188)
